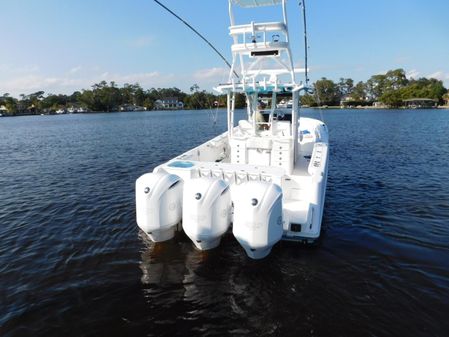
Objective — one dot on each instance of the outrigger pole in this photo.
(197, 33)
(306, 47)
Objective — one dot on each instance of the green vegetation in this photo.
(108, 97)
(446, 98)
(390, 89)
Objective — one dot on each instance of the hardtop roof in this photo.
(256, 3)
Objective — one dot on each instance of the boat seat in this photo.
(245, 127)
(282, 128)
(259, 150)
(297, 212)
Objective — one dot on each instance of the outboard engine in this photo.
(159, 204)
(206, 211)
(257, 217)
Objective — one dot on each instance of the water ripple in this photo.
(73, 263)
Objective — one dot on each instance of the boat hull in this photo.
(302, 190)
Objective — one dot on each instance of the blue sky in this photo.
(64, 45)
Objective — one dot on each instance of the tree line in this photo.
(108, 97)
(390, 89)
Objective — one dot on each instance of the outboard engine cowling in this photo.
(257, 217)
(159, 204)
(206, 211)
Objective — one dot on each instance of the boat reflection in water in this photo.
(179, 279)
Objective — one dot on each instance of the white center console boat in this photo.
(266, 176)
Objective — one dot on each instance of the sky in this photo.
(60, 46)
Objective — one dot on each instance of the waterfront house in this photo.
(421, 103)
(446, 99)
(349, 102)
(169, 103)
(131, 107)
(379, 105)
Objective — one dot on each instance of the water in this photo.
(73, 262)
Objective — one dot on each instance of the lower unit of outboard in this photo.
(257, 217)
(159, 204)
(206, 211)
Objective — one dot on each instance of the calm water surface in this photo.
(73, 262)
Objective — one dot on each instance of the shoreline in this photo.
(336, 107)
(442, 107)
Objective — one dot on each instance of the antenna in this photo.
(197, 33)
